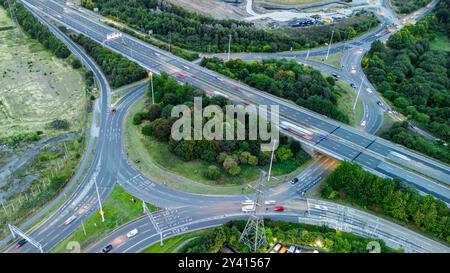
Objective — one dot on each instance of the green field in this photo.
(333, 59)
(36, 87)
(155, 161)
(119, 209)
(346, 102)
(171, 244)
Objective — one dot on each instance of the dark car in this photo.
(294, 181)
(353, 85)
(20, 243)
(107, 248)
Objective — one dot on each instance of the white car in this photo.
(70, 220)
(270, 202)
(132, 233)
(320, 207)
(369, 90)
(248, 208)
(363, 123)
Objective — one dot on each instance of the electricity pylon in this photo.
(254, 234)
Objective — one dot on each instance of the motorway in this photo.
(110, 165)
(343, 142)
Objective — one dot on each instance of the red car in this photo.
(182, 75)
(279, 208)
(20, 243)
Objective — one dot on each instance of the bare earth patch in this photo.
(214, 8)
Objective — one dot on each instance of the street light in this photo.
(150, 75)
(102, 213)
(329, 45)
(359, 91)
(229, 46)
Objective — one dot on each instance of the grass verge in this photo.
(119, 209)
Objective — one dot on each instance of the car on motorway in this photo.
(380, 104)
(182, 75)
(353, 70)
(107, 249)
(132, 233)
(363, 123)
(157, 54)
(294, 181)
(70, 220)
(320, 207)
(270, 202)
(279, 208)
(335, 75)
(21, 242)
(352, 85)
(114, 110)
(369, 90)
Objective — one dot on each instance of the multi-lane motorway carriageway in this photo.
(342, 142)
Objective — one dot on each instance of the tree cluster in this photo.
(351, 183)
(286, 79)
(289, 233)
(414, 76)
(118, 70)
(192, 31)
(408, 6)
(229, 155)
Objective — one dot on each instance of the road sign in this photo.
(150, 75)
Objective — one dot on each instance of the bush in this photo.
(60, 124)
(137, 119)
(148, 130)
(213, 173)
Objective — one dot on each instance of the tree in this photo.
(137, 119)
(284, 153)
(148, 130)
(252, 160)
(244, 157)
(234, 171)
(154, 111)
(213, 173)
(162, 129)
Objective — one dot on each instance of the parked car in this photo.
(279, 208)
